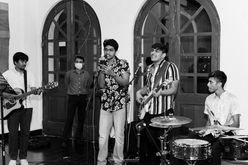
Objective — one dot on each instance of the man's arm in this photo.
(172, 90)
(167, 92)
(123, 79)
(236, 121)
(140, 94)
(207, 120)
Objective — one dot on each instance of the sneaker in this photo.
(12, 162)
(24, 162)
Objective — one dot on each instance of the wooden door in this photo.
(71, 29)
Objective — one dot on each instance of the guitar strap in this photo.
(25, 80)
(160, 73)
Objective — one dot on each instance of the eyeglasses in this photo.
(111, 49)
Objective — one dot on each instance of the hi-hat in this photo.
(165, 121)
(216, 127)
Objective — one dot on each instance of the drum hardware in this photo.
(163, 146)
(167, 123)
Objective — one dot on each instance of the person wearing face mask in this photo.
(77, 82)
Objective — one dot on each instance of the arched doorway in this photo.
(192, 29)
(71, 28)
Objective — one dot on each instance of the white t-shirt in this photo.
(16, 81)
(223, 108)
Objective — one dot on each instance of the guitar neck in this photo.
(150, 96)
(21, 96)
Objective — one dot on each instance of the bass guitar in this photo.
(144, 105)
(14, 103)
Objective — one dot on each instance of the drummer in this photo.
(221, 108)
(160, 71)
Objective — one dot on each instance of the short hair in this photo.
(80, 57)
(20, 56)
(162, 47)
(220, 75)
(111, 42)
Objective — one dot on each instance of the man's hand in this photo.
(139, 97)
(9, 96)
(37, 91)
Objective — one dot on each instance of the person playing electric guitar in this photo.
(163, 100)
(17, 78)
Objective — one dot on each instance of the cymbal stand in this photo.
(190, 162)
(164, 149)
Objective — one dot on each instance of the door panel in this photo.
(71, 29)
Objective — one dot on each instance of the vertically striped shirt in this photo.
(169, 71)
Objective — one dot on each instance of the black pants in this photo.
(75, 102)
(21, 117)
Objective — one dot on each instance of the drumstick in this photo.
(241, 140)
(215, 119)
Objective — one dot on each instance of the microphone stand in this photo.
(136, 159)
(92, 99)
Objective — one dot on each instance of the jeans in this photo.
(21, 117)
(107, 120)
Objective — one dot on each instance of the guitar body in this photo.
(143, 108)
(10, 106)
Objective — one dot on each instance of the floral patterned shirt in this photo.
(114, 95)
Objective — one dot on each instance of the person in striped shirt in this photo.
(163, 75)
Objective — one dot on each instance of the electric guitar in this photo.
(144, 105)
(14, 102)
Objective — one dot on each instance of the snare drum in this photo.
(191, 149)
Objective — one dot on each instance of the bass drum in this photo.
(235, 147)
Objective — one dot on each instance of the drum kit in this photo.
(192, 150)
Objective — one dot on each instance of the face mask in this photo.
(78, 65)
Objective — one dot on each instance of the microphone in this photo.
(140, 65)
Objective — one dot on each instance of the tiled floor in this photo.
(48, 151)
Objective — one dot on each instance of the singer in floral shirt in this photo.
(114, 95)
(113, 79)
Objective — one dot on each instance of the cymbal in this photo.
(216, 127)
(170, 121)
(163, 126)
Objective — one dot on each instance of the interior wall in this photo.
(233, 51)
(117, 19)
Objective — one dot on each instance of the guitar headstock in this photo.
(51, 85)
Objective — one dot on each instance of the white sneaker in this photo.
(24, 162)
(12, 162)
